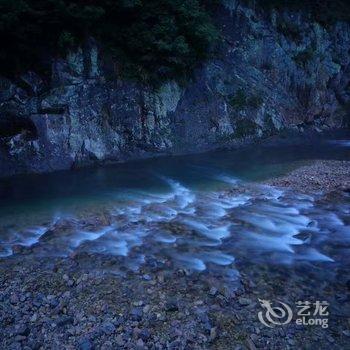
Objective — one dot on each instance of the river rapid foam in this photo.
(195, 229)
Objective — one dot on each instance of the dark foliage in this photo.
(324, 11)
(153, 40)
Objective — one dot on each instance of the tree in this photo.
(153, 39)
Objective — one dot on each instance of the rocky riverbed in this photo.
(70, 304)
(88, 300)
(320, 176)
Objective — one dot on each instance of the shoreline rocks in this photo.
(85, 302)
(320, 176)
(99, 312)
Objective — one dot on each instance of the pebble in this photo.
(14, 299)
(346, 333)
(213, 291)
(330, 339)
(171, 305)
(140, 343)
(64, 320)
(120, 340)
(34, 317)
(291, 341)
(85, 344)
(254, 338)
(250, 344)
(19, 338)
(146, 308)
(244, 301)
(145, 334)
(108, 328)
(22, 330)
(213, 333)
(136, 313)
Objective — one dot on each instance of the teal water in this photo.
(66, 189)
(198, 210)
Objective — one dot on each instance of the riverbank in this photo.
(79, 303)
(93, 301)
(318, 176)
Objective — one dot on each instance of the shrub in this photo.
(303, 57)
(267, 66)
(156, 39)
(245, 127)
(240, 100)
(324, 11)
(255, 101)
(289, 30)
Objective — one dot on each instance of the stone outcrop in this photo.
(273, 72)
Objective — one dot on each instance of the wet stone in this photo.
(171, 305)
(64, 321)
(136, 313)
(22, 330)
(244, 301)
(108, 328)
(213, 291)
(86, 344)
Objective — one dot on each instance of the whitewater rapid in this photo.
(195, 229)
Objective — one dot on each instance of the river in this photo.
(198, 211)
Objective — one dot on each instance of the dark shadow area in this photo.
(12, 125)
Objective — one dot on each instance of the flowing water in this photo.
(196, 212)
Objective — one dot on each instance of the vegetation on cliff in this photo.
(152, 40)
(322, 11)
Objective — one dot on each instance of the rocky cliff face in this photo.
(274, 72)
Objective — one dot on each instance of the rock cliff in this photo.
(273, 72)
